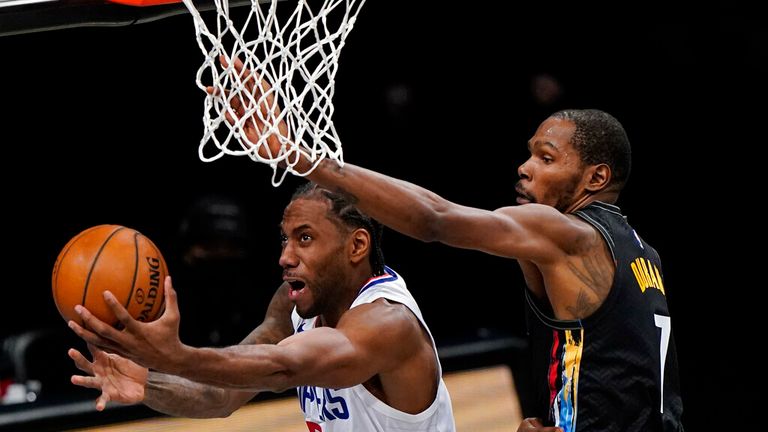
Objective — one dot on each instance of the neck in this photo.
(606, 196)
(346, 297)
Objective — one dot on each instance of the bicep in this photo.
(369, 339)
(325, 357)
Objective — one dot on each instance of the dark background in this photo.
(102, 126)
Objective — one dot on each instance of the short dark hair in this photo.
(343, 210)
(600, 138)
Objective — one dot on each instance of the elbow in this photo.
(282, 383)
(429, 234)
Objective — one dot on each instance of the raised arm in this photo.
(531, 232)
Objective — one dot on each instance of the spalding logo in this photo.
(154, 285)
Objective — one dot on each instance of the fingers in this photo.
(80, 361)
(249, 78)
(533, 424)
(243, 73)
(95, 352)
(92, 381)
(231, 120)
(86, 381)
(119, 310)
(101, 402)
(171, 300)
(92, 322)
(223, 60)
(236, 104)
(98, 326)
(252, 106)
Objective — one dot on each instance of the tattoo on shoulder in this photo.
(584, 305)
(596, 280)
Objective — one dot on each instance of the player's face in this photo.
(553, 174)
(312, 257)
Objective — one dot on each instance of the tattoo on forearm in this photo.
(181, 397)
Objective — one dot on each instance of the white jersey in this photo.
(355, 409)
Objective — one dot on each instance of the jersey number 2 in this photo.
(663, 322)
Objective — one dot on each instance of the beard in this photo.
(566, 197)
(326, 288)
(563, 198)
(523, 193)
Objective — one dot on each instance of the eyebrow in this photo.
(542, 143)
(298, 228)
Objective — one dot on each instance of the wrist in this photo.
(181, 360)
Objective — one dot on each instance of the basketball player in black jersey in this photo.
(595, 290)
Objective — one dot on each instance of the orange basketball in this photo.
(114, 258)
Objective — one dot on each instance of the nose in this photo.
(523, 170)
(288, 258)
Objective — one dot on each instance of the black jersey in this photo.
(617, 369)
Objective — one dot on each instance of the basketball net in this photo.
(292, 45)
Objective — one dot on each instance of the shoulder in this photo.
(381, 311)
(387, 320)
(569, 233)
(544, 216)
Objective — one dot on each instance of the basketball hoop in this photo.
(292, 45)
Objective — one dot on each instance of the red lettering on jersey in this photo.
(314, 427)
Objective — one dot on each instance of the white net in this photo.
(294, 45)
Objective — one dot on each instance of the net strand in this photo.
(293, 57)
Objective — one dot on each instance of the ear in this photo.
(598, 177)
(361, 245)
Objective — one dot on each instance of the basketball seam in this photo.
(136, 235)
(63, 255)
(95, 260)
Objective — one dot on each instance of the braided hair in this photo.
(343, 210)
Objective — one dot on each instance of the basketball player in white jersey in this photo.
(361, 356)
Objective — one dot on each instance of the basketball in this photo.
(109, 258)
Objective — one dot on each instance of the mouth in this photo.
(522, 197)
(296, 285)
(297, 288)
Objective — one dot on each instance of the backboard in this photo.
(28, 16)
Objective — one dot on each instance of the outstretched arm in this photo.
(369, 339)
(358, 348)
(123, 381)
(532, 232)
(179, 396)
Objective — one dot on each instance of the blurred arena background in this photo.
(101, 125)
